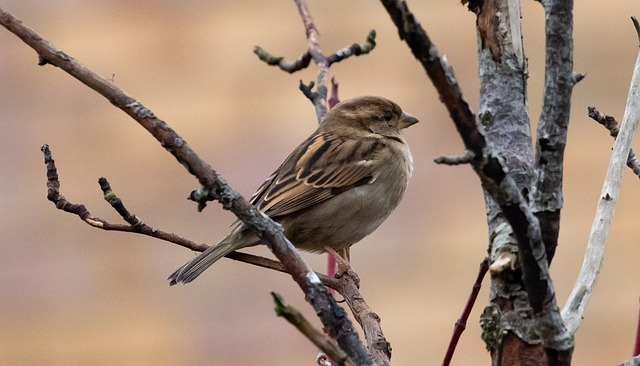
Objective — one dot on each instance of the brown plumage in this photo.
(335, 188)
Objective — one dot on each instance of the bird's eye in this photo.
(387, 117)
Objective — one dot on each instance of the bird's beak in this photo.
(406, 120)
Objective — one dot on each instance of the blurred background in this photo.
(74, 295)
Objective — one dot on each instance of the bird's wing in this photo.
(320, 168)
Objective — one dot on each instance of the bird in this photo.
(335, 188)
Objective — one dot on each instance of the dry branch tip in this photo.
(465, 158)
(636, 26)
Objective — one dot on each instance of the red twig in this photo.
(636, 350)
(462, 322)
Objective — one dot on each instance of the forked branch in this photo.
(313, 52)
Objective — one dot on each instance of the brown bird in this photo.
(335, 188)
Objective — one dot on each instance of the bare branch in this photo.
(334, 99)
(289, 66)
(355, 49)
(439, 71)
(324, 343)
(634, 361)
(465, 158)
(115, 202)
(461, 324)
(554, 119)
(573, 311)
(636, 347)
(138, 226)
(319, 97)
(377, 344)
(303, 61)
(611, 124)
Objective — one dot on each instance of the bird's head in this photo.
(366, 115)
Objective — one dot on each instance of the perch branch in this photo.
(332, 316)
(324, 343)
(611, 124)
(377, 344)
(575, 306)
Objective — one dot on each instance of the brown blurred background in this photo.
(74, 295)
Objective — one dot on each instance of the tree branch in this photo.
(554, 120)
(319, 97)
(349, 281)
(138, 226)
(324, 343)
(461, 323)
(490, 164)
(439, 71)
(575, 306)
(465, 158)
(332, 316)
(611, 124)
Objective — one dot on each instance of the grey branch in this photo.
(576, 304)
(553, 122)
(355, 49)
(284, 64)
(489, 164)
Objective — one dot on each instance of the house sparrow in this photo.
(335, 188)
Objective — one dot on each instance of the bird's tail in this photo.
(199, 264)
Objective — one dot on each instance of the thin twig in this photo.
(575, 305)
(324, 343)
(355, 49)
(334, 98)
(313, 52)
(289, 66)
(461, 324)
(465, 158)
(138, 226)
(612, 126)
(636, 346)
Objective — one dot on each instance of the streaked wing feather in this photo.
(317, 170)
